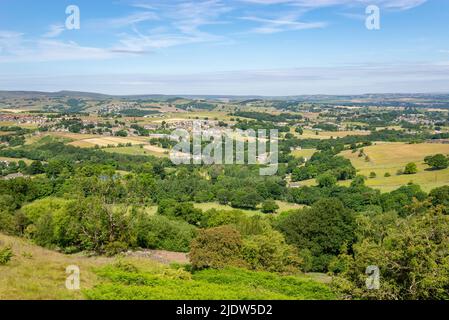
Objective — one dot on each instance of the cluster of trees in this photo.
(259, 116)
(325, 162)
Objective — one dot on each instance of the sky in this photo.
(225, 47)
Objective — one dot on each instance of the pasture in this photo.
(391, 157)
(283, 206)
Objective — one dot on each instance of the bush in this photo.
(217, 218)
(269, 252)
(217, 248)
(6, 255)
(411, 168)
(181, 210)
(269, 206)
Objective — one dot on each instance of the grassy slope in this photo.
(39, 274)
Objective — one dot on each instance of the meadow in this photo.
(283, 206)
(39, 274)
(390, 157)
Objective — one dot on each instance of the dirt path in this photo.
(161, 256)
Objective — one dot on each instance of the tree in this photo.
(217, 248)
(299, 130)
(268, 251)
(269, 206)
(323, 229)
(245, 199)
(412, 258)
(411, 168)
(326, 180)
(36, 167)
(440, 197)
(437, 162)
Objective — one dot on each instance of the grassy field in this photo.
(137, 150)
(283, 206)
(39, 274)
(391, 157)
(305, 153)
(104, 141)
(27, 161)
(311, 134)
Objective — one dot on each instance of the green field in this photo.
(283, 206)
(305, 153)
(391, 157)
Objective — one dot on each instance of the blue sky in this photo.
(241, 47)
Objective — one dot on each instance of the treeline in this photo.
(259, 116)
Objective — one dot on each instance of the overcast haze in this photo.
(246, 47)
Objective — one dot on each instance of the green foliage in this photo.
(411, 168)
(269, 206)
(322, 229)
(412, 257)
(159, 232)
(245, 199)
(268, 251)
(325, 161)
(184, 211)
(217, 248)
(437, 162)
(6, 255)
(326, 180)
(440, 197)
(400, 199)
(210, 284)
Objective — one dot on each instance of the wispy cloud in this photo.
(54, 31)
(282, 24)
(184, 23)
(391, 4)
(120, 22)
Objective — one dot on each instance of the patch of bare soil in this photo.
(161, 256)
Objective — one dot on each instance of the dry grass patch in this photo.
(39, 274)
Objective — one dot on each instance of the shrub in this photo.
(269, 252)
(269, 206)
(372, 175)
(6, 255)
(216, 218)
(217, 248)
(411, 168)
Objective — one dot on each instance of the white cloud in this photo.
(54, 31)
(391, 4)
(282, 24)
